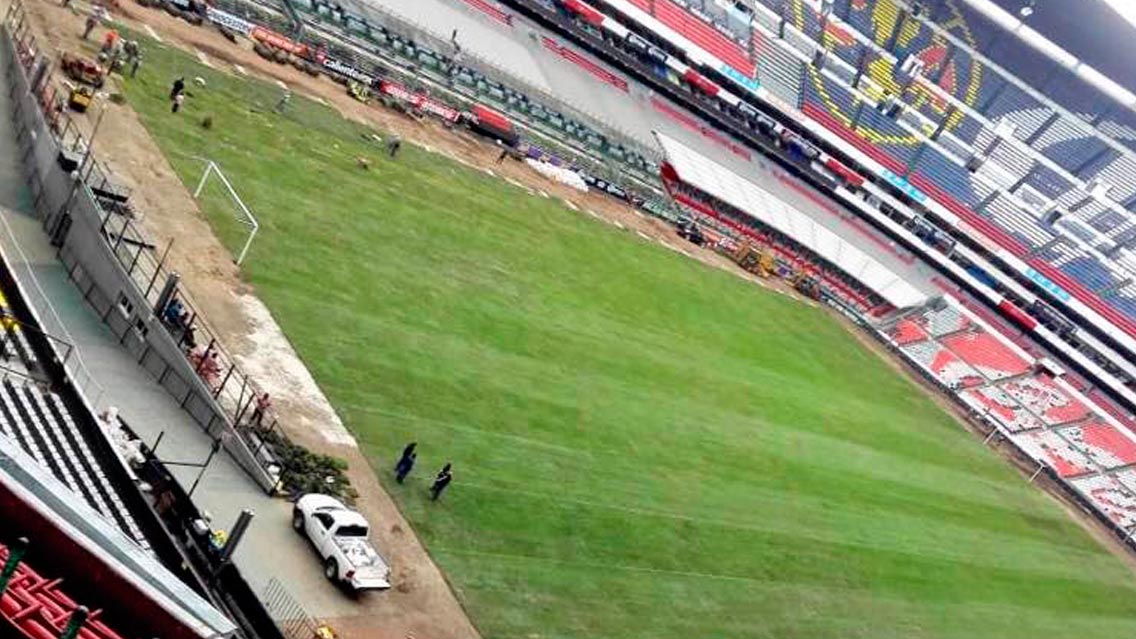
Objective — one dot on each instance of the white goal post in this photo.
(248, 220)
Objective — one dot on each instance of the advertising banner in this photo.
(419, 101)
(269, 37)
(347, 71)
(229, 21)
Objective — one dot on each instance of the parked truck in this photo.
(340, 536)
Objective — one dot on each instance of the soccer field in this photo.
(643, 446)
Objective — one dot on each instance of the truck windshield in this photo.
(351, 531)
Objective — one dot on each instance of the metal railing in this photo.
(144, 266)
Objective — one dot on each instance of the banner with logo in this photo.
(347, 71)
(419, 101)
(229, 21)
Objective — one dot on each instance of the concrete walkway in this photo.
(270, 549)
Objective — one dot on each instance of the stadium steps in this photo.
(780, 71)
(43, 427)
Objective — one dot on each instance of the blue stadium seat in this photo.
(1068, 144)
(1047, 181)
(1126, 305)
(1018, 107)
(953, 178)
(1089, 272)
(1075, 94)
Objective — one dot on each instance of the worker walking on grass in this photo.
(406, 462)
(177, 88)
(405, 465)
(177, 94)
(282, 103)
(445, 476)
(394, 145)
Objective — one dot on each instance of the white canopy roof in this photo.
(715, 180)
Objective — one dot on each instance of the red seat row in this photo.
(492, 10)
(585, 63)
(37, 608)
(704, 35)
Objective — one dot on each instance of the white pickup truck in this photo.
(339, 535)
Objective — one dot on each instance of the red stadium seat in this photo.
(987, 354)
(703, 35)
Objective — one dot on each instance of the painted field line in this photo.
(594, 214)
(542, 193)
(204, 59)
(643, 235)
(153, 34)
(619, 226)
(515, 183)
(240, 69)
(572, 205)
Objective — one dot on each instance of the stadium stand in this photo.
(851, 274)
(908, 331)
(490, 9)
(946, 320)
(596, 70)
(700, 31)
(1049, 447)
(1045, 399)
(943, 365)
(987, 354)
(40, 424)
(38, 608)
(1102, 442)
(1113, 498)
(1002, 408)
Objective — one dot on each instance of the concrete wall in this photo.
(101, 265)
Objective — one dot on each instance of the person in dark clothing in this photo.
(189, 338)
(394, 145)
(405, 465)
(445, 476)
(177, 88)
(407, 453)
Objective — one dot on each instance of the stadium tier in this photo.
(1045, 399)
(918, 95)
(1115, 499)
(37, 607)
(1106, 445)
(986, 353)
(943, 365)
(1055, 451)
(849, 273)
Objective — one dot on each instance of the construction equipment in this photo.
(757, 260)
(807, 285)
(359, 91)
(689, 231)
(83, 70)
(80, 98)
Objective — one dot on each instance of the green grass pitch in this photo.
(643, 446)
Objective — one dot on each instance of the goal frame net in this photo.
(243, 213)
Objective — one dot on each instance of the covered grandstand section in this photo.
(685, 167)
